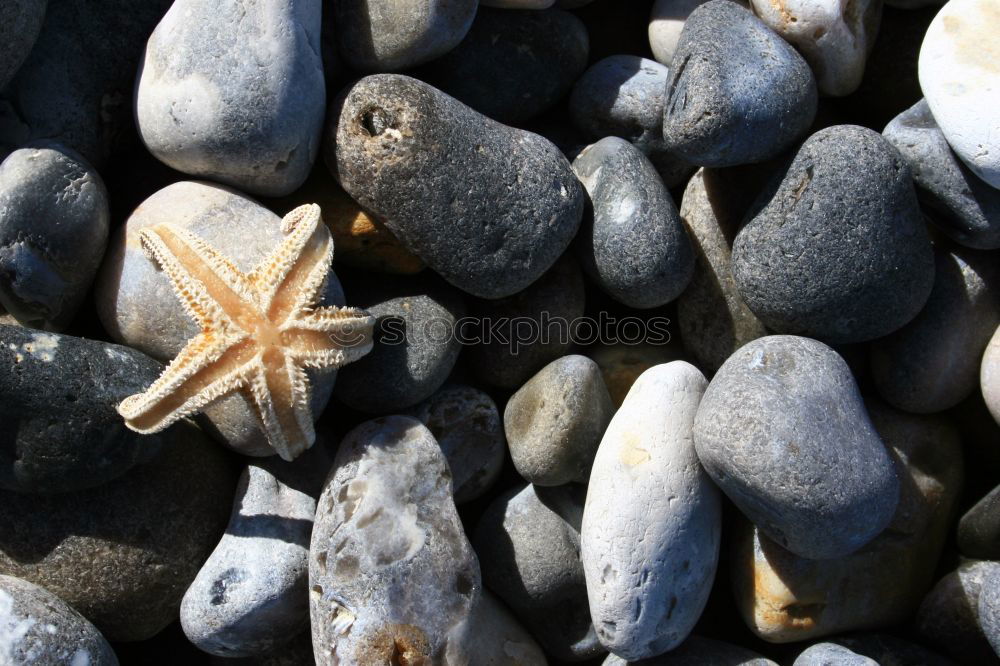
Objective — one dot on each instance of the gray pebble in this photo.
(831, 654)
(21, 25)
(491, 636)
(487, 206)
(890, 650)
(979, 528)
(698, 651)
(949, 616)
(989, 375)
(989, 609)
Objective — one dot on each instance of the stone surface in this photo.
(138, 307)
(22, 23)
(989, 375)
(666, 21)
(39, 628)
(698, 651)
(838, 249)
(965, 208)
(492, 637)
(988, 609)
(518, 4)
(831, 654)
(632, 242)
(621, 364)
(467, 426)
(651, 524)
(933, 362)
(59, 428)
(247, 110)
(888, 649)
(783, 431)
(487, 206)
(53, 231)
(979, 528)
(737, 93)
(555, 422)
(390, 570)
(528, 543)
(949, 615)
(125, 561)
(961, 81)
(385, 35)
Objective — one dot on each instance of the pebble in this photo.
(555, 421)
(831, 654)
(415, 347)
(517, 4)
(58, 404)
(965, 208)
(246, 111)
(651, 524)
(528, 544)
(979, 528)
(138, 307)
(784, 433)
(419, 160)
(632, 243)
(960, 78)
(53, 232)
(933, 362)
(698, 651)
(490, 636)
(467, 426)
(22, 23)
(621, 364)
(989, 375)
(888, 649)
(385, 35)
(513, 64)
(391, 572)
(737, 92)
(837, 250)
(39, 628)
(989, 609)
(666, 21)
(122, 554)
(949, 617)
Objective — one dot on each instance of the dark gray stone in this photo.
(22, 21)
(949, 615)
(698, 651)
(831, 654)
(783, 431)
(837, 250)
(59, 428)
(964, 206)
(737, 92)
(889, 650)
(979, 528)
(53, 232)
(989, 609)
(632, 242)
(487, 206)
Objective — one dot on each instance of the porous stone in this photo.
(666, 21)
(390, 570)
(979, 528)
(830, 654)
(961, 82)
(123, 553)
(989, 609)
(554, 422)
(949, 616)
(964, 207)
(621, 364)
(651, 523)
(737, 92)
(467, 426)
(528, 543)
(246, 110)
(933, 362)
(698, 651)
(632, 243)
(39, 628)
(783, 431)
(137, 305)
(838, 249)
(490, 636)
(53, 231)
(989, 375)
(22, 23)
(487, 206)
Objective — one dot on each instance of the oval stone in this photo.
(989, 375)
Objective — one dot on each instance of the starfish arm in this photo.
(330, 336)
(281, 395)
(316, 349)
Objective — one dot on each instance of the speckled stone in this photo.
(621, 364)
(487, 206)
(989, 375)
(737, 93)
(979, 528)
(783, 431)
(949, 615)
(989, 609)
(53, 231)
(698, 651)
(492, 637)
(21, 25)
(831, 654)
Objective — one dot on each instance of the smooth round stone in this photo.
(386, 35)
(979, 528)
(39, 628)
(989, 375)
(949, 615)
(122, 554)
(489, 207)
(964, 208)
(698, 651)
(59, 426)
(632, 243)
(528, 544)
(838, 249)
(53, 231)
(888, 649)
(652, 523)
(666, 21)
(513, 65)
(989, 609)
(491, 636)
(467, 426)
(783, 431)
(737, 92)
(830, 654)
(137, 305)
(621, 364)
(961, 81)
(21, 25)
(246, 111)
(390, 569)
(554, 423)
(933, 362)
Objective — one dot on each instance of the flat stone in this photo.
(828, 654)
(698, 651)
(783, 431)
(621, 364)
(737, 92)
(651, 524)
(53, 233)
(666, 21)
(492, 637)
(487, 206)
(22, 23)
(949, 616)
(989, 609)
(979, 528)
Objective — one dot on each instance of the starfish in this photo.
(259, 331)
